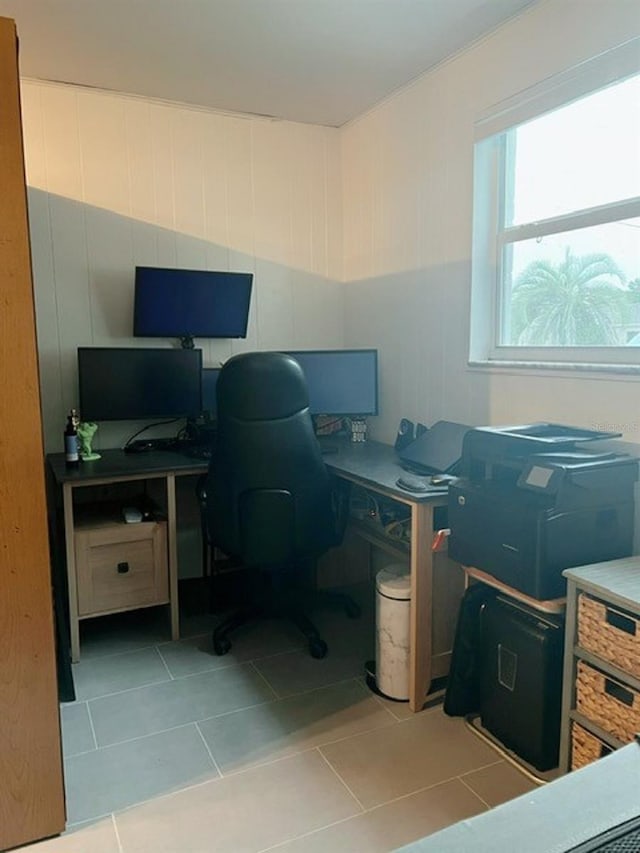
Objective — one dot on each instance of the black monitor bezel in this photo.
(140, 415)
(200, 332)
(211, 412)
(365, 350)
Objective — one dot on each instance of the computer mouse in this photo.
(441, 479)
(132, 515)
(412, 484)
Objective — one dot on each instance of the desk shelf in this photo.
(372, 533)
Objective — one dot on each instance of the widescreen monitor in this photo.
(118, 383)
(209, 383)
(340, 382)
(175, 303)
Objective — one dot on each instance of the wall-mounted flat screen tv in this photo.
(175, 303)
(340, 382)
(209, 384)
(131, 383)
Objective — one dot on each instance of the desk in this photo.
(115, 466)
(371, 465)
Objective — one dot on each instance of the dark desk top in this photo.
(374, 464)
(370, 463)
(117, 463)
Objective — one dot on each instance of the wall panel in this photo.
(118, 181)
(407, 182)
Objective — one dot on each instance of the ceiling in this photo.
(317, 61)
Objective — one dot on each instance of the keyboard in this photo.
(175, 445)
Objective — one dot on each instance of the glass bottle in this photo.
(71, 451)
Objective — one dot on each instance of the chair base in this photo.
(317, 646)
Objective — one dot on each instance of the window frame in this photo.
(493, 170)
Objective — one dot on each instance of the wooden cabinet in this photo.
(601, 679)
(31, 784)
(120, 566)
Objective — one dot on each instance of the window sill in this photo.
(567, 367)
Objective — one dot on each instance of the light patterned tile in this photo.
(257, 640)
(350, 643)
(105, 675)
(123, 632)
(136, 713)
(296, 672)
(281, 728)
(77, 735)
(394, 824)
(99, 837)
(498, 783)
(402, 759)
(246, 812)
(99, 782)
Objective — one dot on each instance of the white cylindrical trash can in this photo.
(393, 601)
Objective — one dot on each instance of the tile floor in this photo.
(171, 749)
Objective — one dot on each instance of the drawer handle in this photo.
(604, 750)
(617, 691)
(621, 622)
(123, 568)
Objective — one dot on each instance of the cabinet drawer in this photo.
(586, 747)
(613, 706)
(610, 633)
(120, 567)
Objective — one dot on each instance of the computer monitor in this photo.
(340, 382)
(191, 303)
(129, 383)
(209, 383)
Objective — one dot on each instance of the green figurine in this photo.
(86, 431)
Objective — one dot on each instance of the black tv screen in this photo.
(340, 382)
(209, 383)
(170, 303)
(121, 384)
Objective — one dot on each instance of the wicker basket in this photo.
(612, 634)
(613, 706)
(585, 747)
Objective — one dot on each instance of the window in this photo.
(556, 259)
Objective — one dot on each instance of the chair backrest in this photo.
(268, 491)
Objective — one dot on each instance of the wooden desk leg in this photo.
(421, 604)
(172, 528)
(69, 544)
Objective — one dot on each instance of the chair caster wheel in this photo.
(221, 647)
(317, 648)
(352, 610)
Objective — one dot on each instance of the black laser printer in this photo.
(529, 504)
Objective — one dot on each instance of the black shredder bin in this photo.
(521, 679)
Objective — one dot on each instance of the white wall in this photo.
(384, 204)
(116, 181)
(407, 207)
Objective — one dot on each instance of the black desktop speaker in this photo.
(406, 434)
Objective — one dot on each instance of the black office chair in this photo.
(269, 498)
